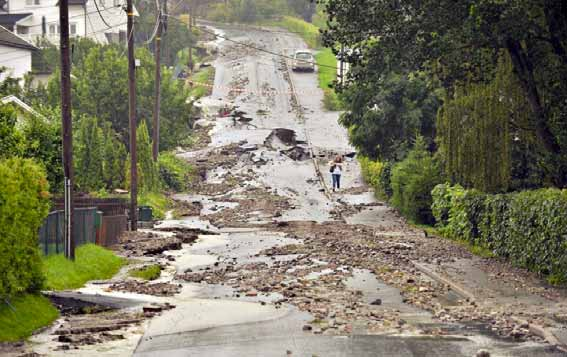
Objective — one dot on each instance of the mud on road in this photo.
(265, 261)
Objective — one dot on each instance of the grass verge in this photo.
(325, 60)
(474, 249)
(91, 263)
(150, 272)
(159, 203)
(206, 75)
(26, 314)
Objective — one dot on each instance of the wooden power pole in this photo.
(67, 127)
(190, 63)
(155, 139)
(132, 119)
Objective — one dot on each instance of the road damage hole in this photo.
(297, 153)
(281, 136)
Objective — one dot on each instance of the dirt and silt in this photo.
(261, 239)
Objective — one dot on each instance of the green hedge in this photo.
(24, 204)
(529, 227)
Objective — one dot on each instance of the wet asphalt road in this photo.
(204, 322)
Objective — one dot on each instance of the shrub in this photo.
(529, 227)
(385, 180)
(373, 174)
(412, 180)
(175, 173)
(24, 204)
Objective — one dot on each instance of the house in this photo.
(101, 20)
(15, 55)
(22, 109)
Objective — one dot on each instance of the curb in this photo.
(454, 286)
(534, 329)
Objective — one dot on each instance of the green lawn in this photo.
(26, 314)
(91, 263)
(327, 75)
(206, 75)
(150, 272)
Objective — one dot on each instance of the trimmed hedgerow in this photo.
(529, 227)
(24, 204)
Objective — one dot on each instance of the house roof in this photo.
(12, 99)
(12, 19)
(8, 38)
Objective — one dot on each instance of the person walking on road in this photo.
(336, 169)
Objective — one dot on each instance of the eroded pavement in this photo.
(267, 262)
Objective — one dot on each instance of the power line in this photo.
(254, 47)
(99, 14)
(156, 26)
(88, 33)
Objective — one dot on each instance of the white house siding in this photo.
(83, 20)
(16, 60)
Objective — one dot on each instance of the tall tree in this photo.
(461, 41)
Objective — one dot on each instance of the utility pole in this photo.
(341, 64)
(67, 127)
(132, 119)
(190, 62)
(155, 139)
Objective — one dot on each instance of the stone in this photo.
(376, 302)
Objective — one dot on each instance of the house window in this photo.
(23, 30)
(73, 29)
(33, 2)
(53, 29)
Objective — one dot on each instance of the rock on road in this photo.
(292, 270)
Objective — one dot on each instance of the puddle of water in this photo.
(193, 262)
(188, 223)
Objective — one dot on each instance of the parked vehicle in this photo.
(303, 60)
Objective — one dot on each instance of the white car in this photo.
(303, 60)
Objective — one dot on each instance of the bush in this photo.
(372, 172)
(412, 181)
(385, 180)
(175, 173)
(24, 204)
(529, 227)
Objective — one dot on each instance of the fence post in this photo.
(56, 233)
(46, 243)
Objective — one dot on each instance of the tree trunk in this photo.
(555, 16)
(524, 71)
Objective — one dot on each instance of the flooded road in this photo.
(260, 286)
(268, 262)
